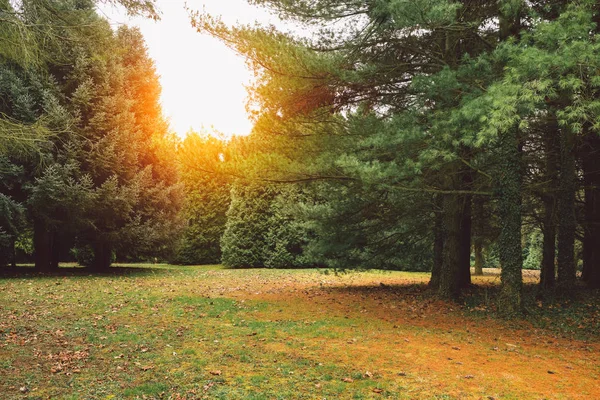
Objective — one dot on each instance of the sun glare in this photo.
(203, 81)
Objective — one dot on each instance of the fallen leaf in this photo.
(348, 380)
(368, 374)
(147, 367)
(469, 377)
(377, 390)
(216, 372)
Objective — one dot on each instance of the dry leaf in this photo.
(216, 372)
(348, 380)
(377, 390)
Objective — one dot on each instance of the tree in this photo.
(83, 121)
(202, 162)
(127, 152)
(244, 242)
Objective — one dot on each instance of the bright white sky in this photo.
(203, 82)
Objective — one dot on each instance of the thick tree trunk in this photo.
(509, 202)
(449, 286)
(42, 245)
(509, 207)
(438, 245)
(552, 149)
(567, 223)
(591, 262)
(591, 242)
(102, 257)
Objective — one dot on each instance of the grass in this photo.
(165, 332)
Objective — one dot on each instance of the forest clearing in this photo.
(288, 199)
(165, 332)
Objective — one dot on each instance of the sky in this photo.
(203, 81)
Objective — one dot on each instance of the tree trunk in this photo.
(55, 254)
(478, 233)
(509, 202)
(552, 149)
(102, 257)
(449, 286)
(13, 253)
(466, 225)
(509, 207)
(591, 242)
(478, 249)
(567, 223)
(465, 242)
(548, 267)
(438, 244)
(42, 245)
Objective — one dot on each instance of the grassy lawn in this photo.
(164, 332)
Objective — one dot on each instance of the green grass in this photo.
(166, 332)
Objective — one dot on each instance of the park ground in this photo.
(165, 332)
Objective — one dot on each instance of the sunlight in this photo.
(203, 82)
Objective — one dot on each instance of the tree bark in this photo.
(548, 267)
(438, 244)
(13, 254)
(567, 223)
(465, 242)
(42, 245)
(102, 256)
(465, 229)
(478, 234)
(55, 253)
(449, 286)
(591, 242)
(479, 261)
(552, 149)
(509, 202)
(509, 207)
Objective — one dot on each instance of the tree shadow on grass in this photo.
(576, 316)
(400, 290)
(27, 272)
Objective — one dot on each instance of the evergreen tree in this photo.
(202, 162)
